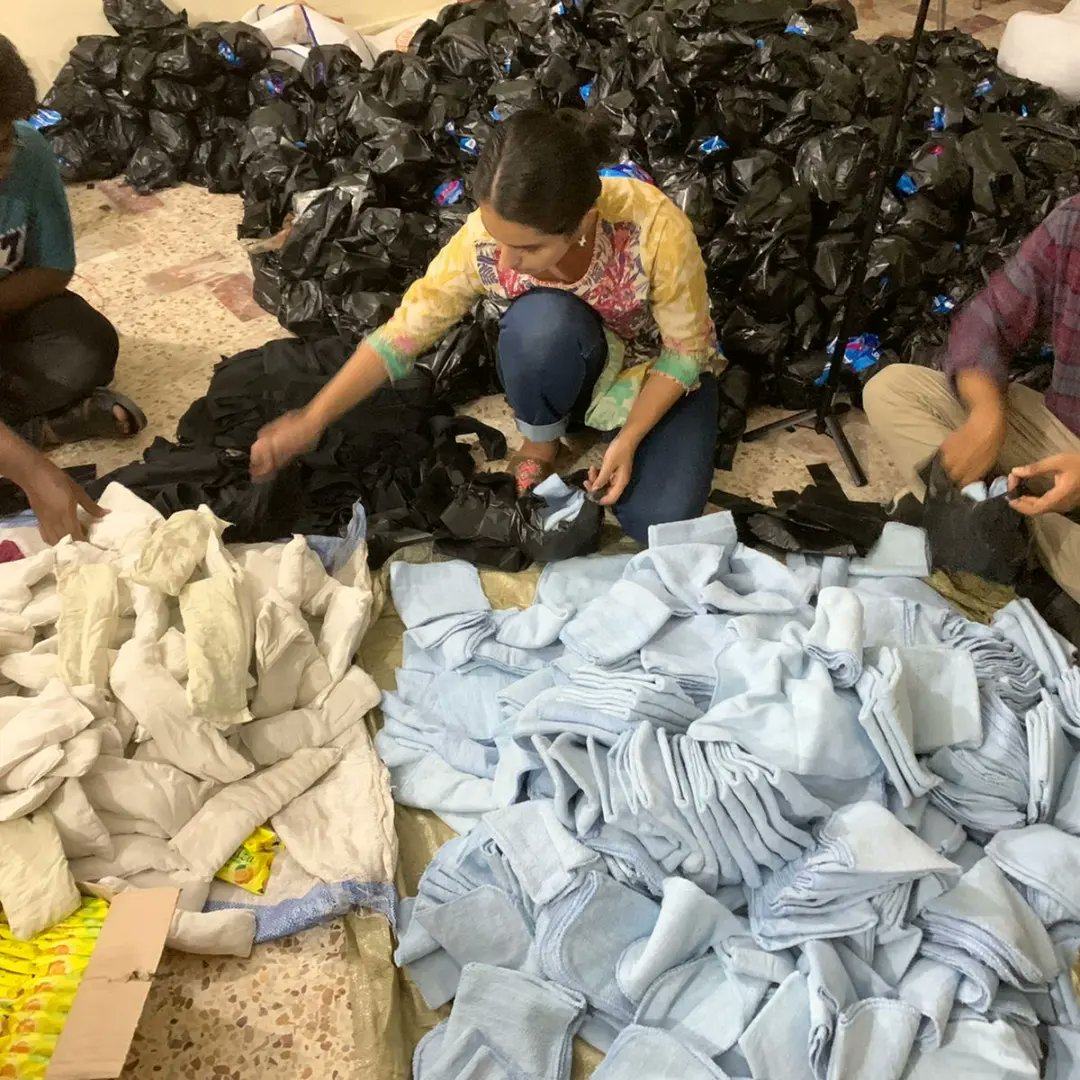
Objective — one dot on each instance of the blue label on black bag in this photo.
(712, 145)
(44, 118)
(907, 184)
(450, 192)
(227, 53)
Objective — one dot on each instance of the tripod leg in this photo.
(835, 431)
(779, 425)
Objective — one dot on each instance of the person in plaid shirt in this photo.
(982, 423)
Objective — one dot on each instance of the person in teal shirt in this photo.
(57, 354)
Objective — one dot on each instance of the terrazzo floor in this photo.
(168, 271)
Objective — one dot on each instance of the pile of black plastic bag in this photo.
(758, 118)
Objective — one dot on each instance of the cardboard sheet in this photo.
(99, 1029)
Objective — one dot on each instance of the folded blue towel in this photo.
(612, 627)
(645, 1051)
(424, 592)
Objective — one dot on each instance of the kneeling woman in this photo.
(595, 270)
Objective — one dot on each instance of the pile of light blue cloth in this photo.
(726, 816)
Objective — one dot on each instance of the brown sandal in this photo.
(528, 472)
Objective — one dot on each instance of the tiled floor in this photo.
(169, 272)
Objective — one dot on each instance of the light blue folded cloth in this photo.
(977, 1049)
(1063, 1054)
(873, 1039)
(568, 586)
(1049, 755)
(614, 626)
(1067, 812)
(887, 718)
(1020, 623)
(532, 627)
(527, 1023)
(686, 650)
(677, 574)
(776, 1043)
(930, 987)
(943, 693)
(781, 704)
(717, 529)
(861, 851)
(603, 704)
(986, 918)
(819, 571)
(641, 1052)
(561, 503)
(986, 788)
(900, 551)
(1046, 863)
(424, 592)
(420, 778)
(582, 934)
(755, 582)
(836, 638)
(857, 1026)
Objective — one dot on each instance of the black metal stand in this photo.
(825, 417)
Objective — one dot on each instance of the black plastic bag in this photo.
(152, 168)
(185, 56)
(170, 95)
(240, 48)
(487, 524)
(98, 58)
(836, 164)
(173, 134)
(987, 538)
(135, 16)
(332, 72)
(462, 365)
(216, 161)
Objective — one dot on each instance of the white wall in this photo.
(45, 30)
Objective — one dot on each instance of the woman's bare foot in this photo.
(546, 452)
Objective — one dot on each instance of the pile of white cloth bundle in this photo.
(164, 695)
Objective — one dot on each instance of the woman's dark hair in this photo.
(541, 169)
(18, 95)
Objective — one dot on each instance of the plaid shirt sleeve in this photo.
(987, 332)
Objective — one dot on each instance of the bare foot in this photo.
(540, 451)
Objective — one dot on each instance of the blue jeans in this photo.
(552, 350)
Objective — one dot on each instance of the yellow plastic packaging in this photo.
(249, 866)
(38, 982)
(23, 1066)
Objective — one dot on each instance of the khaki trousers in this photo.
(912, 409)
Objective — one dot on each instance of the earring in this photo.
(583, 241)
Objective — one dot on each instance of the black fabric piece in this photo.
(401, 452)
(819, 520)
(987, 538)
(755, 118)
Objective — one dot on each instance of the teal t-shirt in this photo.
(35, 224)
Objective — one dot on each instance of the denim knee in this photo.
(551, 351)
(657, 506)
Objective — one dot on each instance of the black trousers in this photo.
(52, 356)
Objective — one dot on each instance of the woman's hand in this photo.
(970, 452)
(280, 441)
(615, 471)
(55, 498)
(1064, 494)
